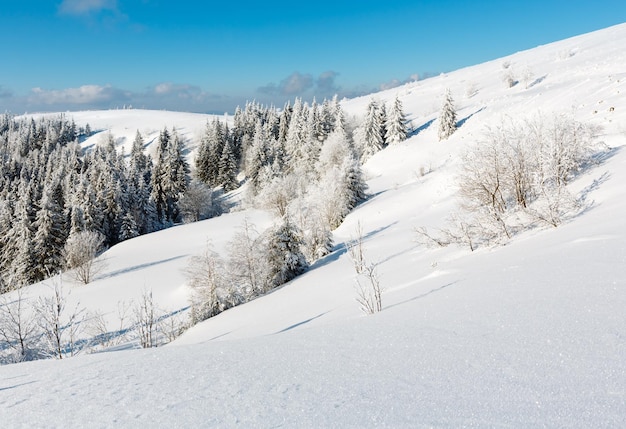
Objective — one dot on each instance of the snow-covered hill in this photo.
(123, 124)
(528, 334)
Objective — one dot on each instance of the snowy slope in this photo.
(525, 335)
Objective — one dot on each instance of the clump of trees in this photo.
(52, 193)
(380, 127)
(516, 178)
(254, 265)
(303, 164)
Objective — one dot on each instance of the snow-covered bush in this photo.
(516, 176)
(197, 203)
(81, 255)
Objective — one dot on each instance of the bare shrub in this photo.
(17, 328)
(146, 320)
(368, 288)
(245, 265)
(356, 250)
(173, 325)
(105, 335)
(61, 326)
(528, 76)
(205, 277)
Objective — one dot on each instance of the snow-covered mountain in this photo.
(532, 333)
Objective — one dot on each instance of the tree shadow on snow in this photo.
(16, 386)
(424, 295)
(304, 322)
(537, 81)
(462, 122)
(597, 160)
(138, 267)
(421, 128)
(342, 248)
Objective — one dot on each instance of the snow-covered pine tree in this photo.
(296, 136)
(382, 112)
(285, 259)
(370, 134)
(6, 216)
(316, 124)
(257, 156)
(50, 235)
(447, 117)
(140, 205)
(397, 128)
(18, 250)
(327, 119)
(138, 159)
(283, 123)
(335, 149)
(128, 228)
(179, 173)
(159, 175)
(354, 184)
(169, 176)
(209, 153)
(228, 169)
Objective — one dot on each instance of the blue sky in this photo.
(206, 56)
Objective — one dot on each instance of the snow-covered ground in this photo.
(530, 334)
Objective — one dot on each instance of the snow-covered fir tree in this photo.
(447, 117)
(397, 124)
(370, 134)
(50, 233)
(382, 112)
(284, 257)
(228, 168)
(210, 152)
(169, 176)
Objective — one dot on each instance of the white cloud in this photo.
(86, 94)
(5, 93)
(294, 84)
(172, 91)
(83, 7)
(326, 85)
(169, 96)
